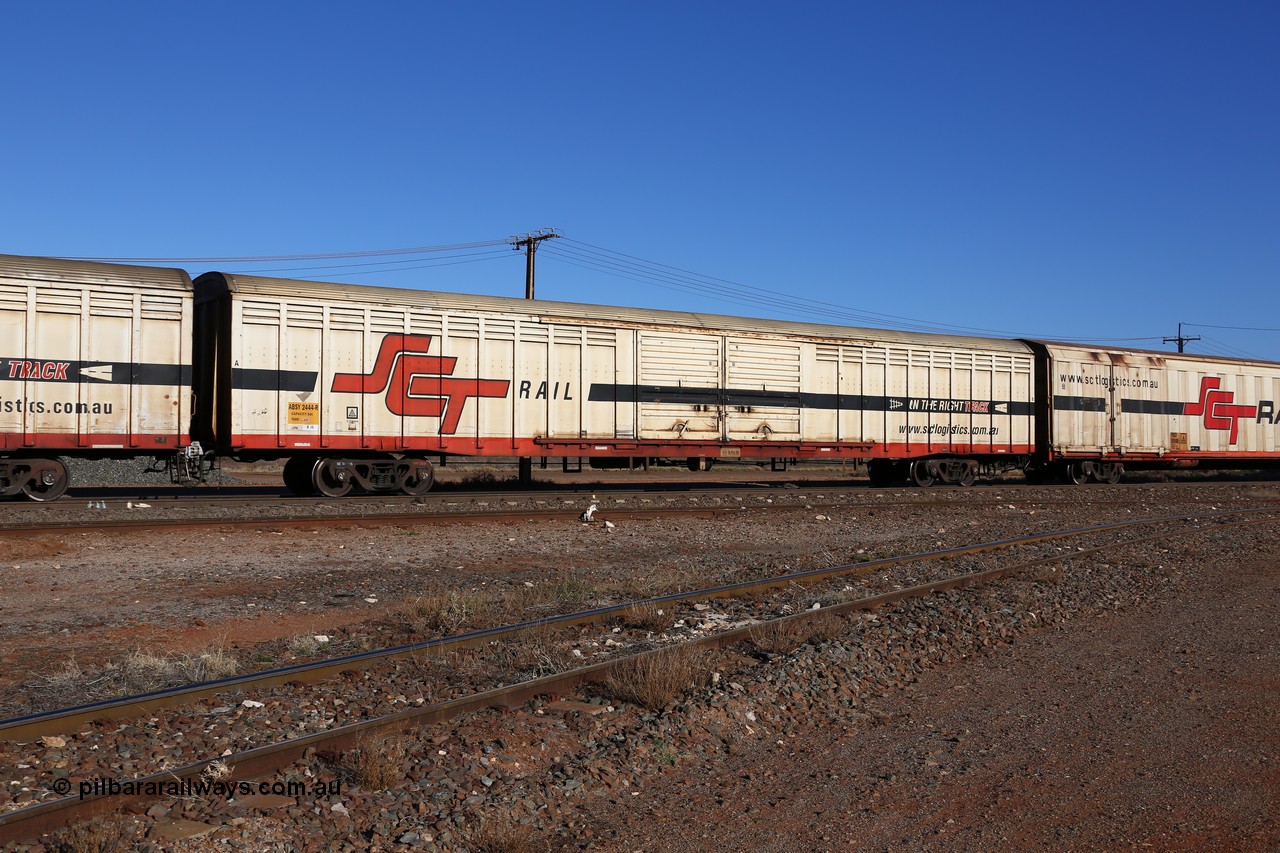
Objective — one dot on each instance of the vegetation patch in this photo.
(658, 679)
(378, 762)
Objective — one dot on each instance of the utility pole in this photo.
(529, 243)
(1181, 339)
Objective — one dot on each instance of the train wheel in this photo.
(418, 477)
(921, 475)
(331, 478)
(49, 483)
(1110, 473)
(297, 475)
(970, 475)
(1077, 473)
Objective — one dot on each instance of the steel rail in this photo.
(33, 821)
(31, 726)
(256, 494)
(376, 520)
(442, 492)
(474, 515)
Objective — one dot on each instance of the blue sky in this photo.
(1085, 170)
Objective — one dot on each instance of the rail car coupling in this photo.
(189, 465)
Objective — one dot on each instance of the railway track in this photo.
(260, 761)
(274, 508)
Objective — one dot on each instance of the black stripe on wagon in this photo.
(1079, 404)
(601, 392)
(96, 372)
(259, 379)
(604, 393)
(124, 373)
(1152, 407)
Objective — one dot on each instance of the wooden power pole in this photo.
(1181, 338)
(529, 243)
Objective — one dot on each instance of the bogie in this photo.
(334, 477)
(952, 472)
(1082, 472)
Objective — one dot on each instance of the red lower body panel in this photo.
(68, 444)
(505, 446)
(1245, 457)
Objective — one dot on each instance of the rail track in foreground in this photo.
(35, 820)
(274, 510)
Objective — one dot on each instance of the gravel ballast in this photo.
(1059, 710)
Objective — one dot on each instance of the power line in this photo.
(714, 285)
(1233, 328)
(615, 264)
(493, 254)
(631, 267)
(1235, 352)
(443, 263)
(255, 259)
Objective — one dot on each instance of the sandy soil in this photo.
(1149, 729)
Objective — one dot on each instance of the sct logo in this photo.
(419, 385)
(1217, 409)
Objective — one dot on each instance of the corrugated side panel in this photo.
(762, 395)
(600, 315)
(93, 356)
(1149, 404)
(1080, 382)
(679, 386)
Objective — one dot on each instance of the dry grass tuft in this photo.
(378, 762)
(559, 596)
(501, 835)
(544, 657)
(107, 834)
(69, 676)
(455, 611)
(141, 671)
(655, 680)
(306, 645)
(441, 615)
(647, 617)
(216, 770)
(137, 672)
(825, 627)
(534, 656)
(780, 636)
(777, 637)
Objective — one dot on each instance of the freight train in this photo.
(361, 387)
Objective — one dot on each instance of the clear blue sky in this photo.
(1082, 170)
